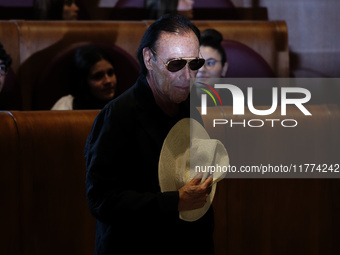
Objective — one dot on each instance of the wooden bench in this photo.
(33, 43)
(43, 184)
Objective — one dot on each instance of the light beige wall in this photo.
(313, 30)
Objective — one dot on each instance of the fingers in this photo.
(208, 182)
(190, 199)
(197, 179)
(203, 189)
(194, 194)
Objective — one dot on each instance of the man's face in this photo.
(173, 87)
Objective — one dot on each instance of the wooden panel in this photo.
(54, 214)
(46, 209)
(51, 36)
(280, 216)
(9, 37)
(10, 236)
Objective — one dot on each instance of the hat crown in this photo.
(186, 147)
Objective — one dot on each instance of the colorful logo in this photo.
(209, 93)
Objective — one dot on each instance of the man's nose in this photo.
(187, 74)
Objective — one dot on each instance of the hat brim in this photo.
(172, 163)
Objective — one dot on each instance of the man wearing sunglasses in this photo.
(122, 153)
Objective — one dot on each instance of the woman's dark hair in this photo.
(212, 38)
(172, 23)
(84, 59)
(6, 59)
(48, 9)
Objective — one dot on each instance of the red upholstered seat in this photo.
(55, 82)
(213, 4)
(244, 62)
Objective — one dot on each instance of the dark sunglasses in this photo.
(176, 64)
(100, 75)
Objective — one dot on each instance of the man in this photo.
(123, 149)
(5, 64)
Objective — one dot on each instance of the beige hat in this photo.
(187, 151)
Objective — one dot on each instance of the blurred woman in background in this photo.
(56, 10)
(93, 80)
(216, 64)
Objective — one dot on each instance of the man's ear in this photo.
(225, 69)
(147, 56)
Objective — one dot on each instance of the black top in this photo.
(122, 188)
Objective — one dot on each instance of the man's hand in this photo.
(193, 195)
